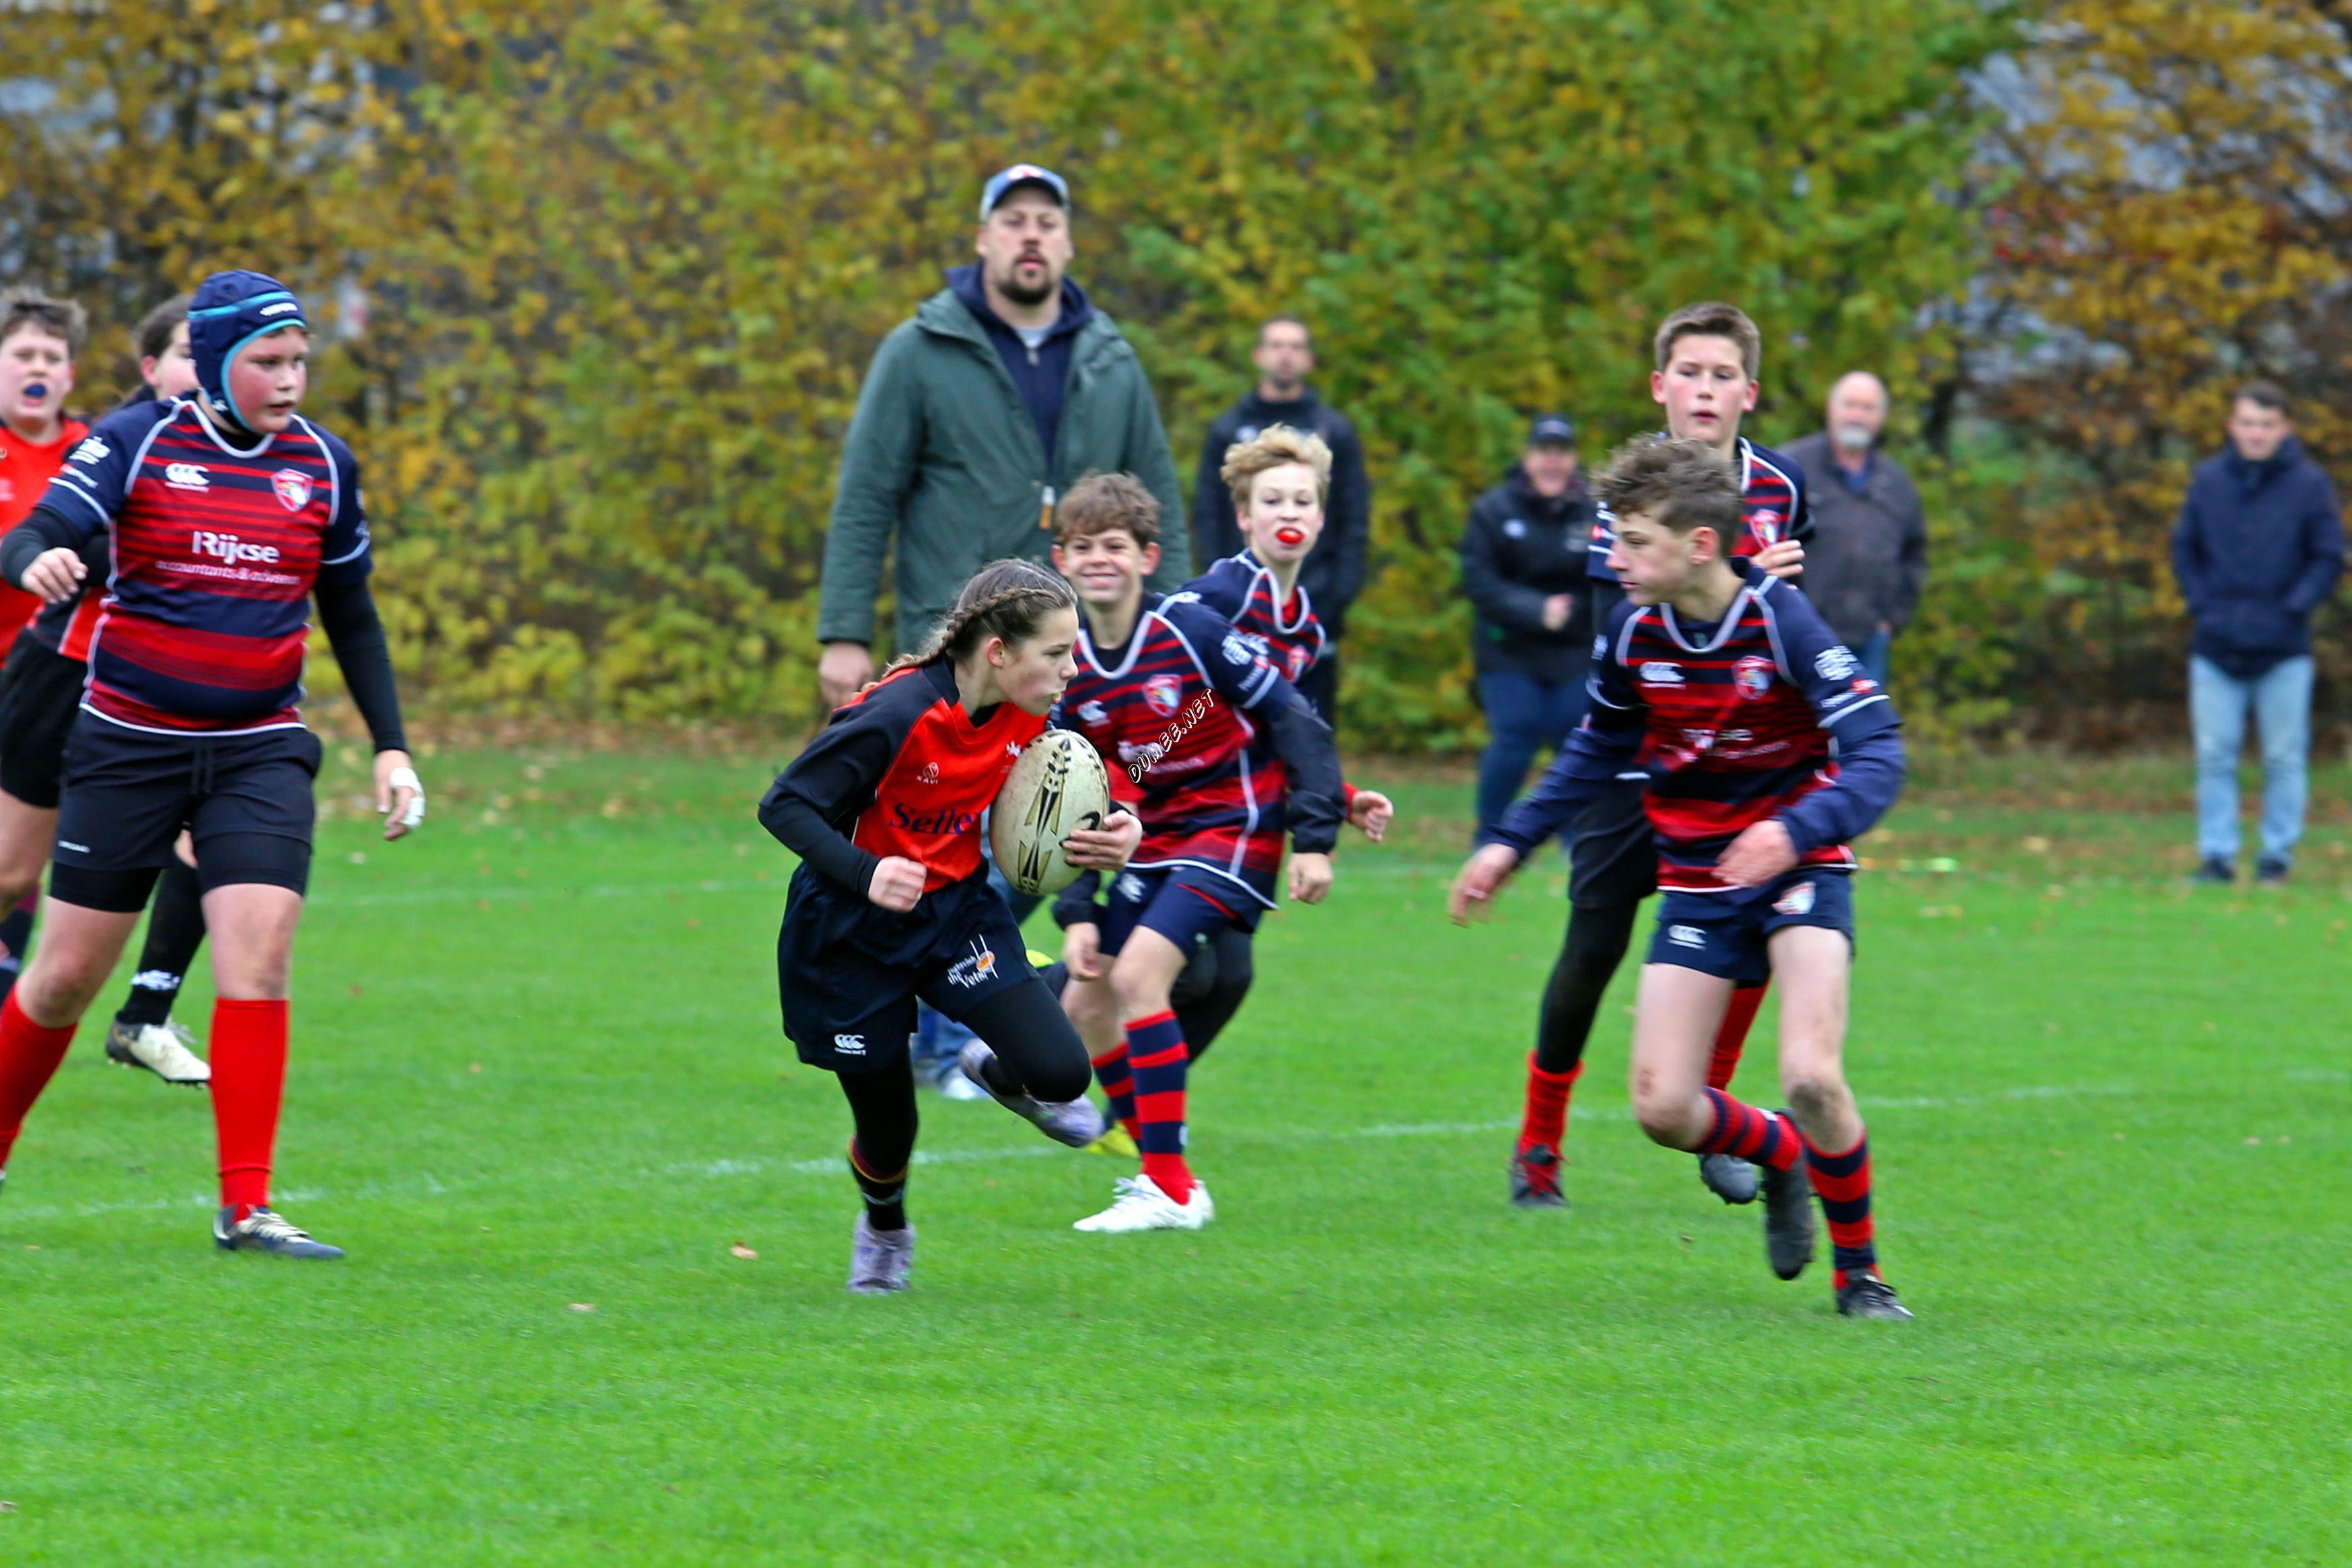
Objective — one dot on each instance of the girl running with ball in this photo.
(891, 899)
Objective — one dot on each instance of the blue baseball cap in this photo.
(231, 309)
(1552, 430)
(1007, 180)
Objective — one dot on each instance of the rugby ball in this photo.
(1058, 785)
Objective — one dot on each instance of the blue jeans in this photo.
(2280, 700)
(1874, 653)
(1524, 716)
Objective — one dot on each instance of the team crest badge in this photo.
(293, 489)
(1753, 676)
(1297, 660)
(1797, 900)
(1164, 692)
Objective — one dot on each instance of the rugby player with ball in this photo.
(891, 900)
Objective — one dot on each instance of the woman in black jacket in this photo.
(1523, 565)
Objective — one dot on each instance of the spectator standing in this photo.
(1523, 567)
(1005, 387)
(1333, 572)
(2259, 546)
(1867, 561)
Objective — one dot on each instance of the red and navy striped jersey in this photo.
(1731, 724)
(215, 552)
(1242, 589)
(1771, 494)
(903, 770)
(1169, 711)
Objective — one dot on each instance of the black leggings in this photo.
(1595, 945)
(1036, 1045)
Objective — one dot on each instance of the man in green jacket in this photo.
(1005, 387)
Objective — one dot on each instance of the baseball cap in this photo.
(1552, 430)
(1004, 180)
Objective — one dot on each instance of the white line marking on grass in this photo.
(507, 892)
(721, 1169)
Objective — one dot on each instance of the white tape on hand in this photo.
(415, 815)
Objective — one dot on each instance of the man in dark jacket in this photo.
(1867, 560)
(1522, 566)
(1333, 572)
(2259, 546)
(1005, 387)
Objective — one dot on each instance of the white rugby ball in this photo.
(1056, 786)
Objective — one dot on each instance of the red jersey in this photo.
(25, 472)
(901, 770)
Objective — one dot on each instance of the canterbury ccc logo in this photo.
(187, 476)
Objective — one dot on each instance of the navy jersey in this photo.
(215, 552)
(1242, 589)
(1772, 495)
(1178, 714)
(1730, 725)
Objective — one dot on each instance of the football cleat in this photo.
(161, 1048)
(1788, 1219)
(1535, 1178)
(1140, 1205)
(1728, 1177)
(1076, 1122)
(1114, 1141)
(1865, 1295)
(267, 1230)
(880, 1260)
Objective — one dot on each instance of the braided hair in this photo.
(1008, 599)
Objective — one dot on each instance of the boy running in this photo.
(1707, 360)
(1224, 757)
(228, 513)
(1724, 691)
(40, 694)
(891, 899)
(40, 338)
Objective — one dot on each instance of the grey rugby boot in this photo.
(1076, 1122)
(267, 1230)
(1868, 1295)
(1728, 1177)
(880, 1260)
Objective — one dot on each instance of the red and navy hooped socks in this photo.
(1157, 1056)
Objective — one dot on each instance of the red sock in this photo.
(1766, 1137)
(1156, 1057)
(1119, 1087)
(29, 1056)
(1731, 1039)
(1546, 1119)
(248, 1079)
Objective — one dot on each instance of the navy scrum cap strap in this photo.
(231, 309)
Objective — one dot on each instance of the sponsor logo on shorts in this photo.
(187, 477)
(976, 968)
(1128, 887)
(1687, 936)
(293, 489)
(1753, 676)
(849, 1045)
(1659, 672)
(1836, 663)
(1797, 900)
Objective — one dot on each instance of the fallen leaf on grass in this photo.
(740, 1250)
(583, 1306)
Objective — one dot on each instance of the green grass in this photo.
(538, 1067)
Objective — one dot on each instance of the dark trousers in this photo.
(1524, 716)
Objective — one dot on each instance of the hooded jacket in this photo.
(1519, 549)
(945, 462)
(2259, 546)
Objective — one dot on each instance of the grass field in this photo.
(539, 1092)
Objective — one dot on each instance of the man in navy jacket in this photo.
(2259, 546)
